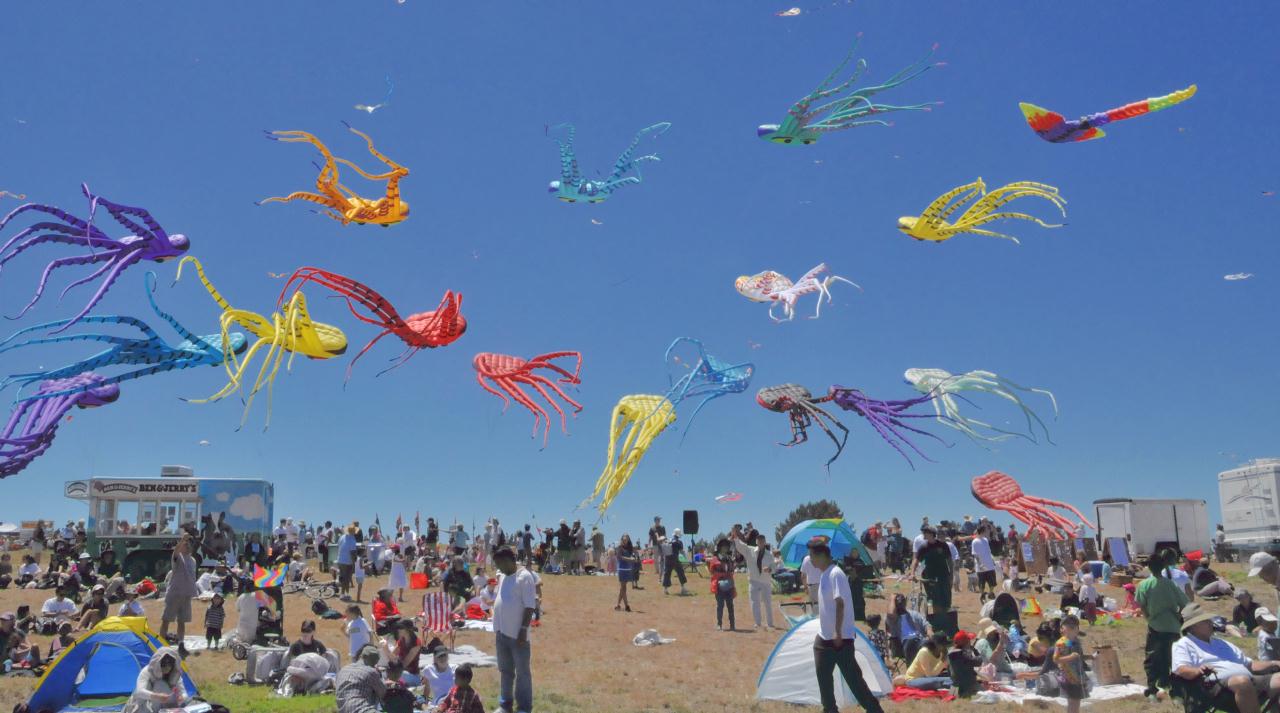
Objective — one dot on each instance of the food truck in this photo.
(141, 518)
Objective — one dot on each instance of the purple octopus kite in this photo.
(33, 424)
(148, 242)
(887, 417)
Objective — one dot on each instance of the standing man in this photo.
(654, 533)
(497, 538)
(984, 563)
(433, 534)
(760, 565)
(833, 647)
(1162, 602)
(347, 546)
(935, 560)
(182, 588)
(597, 547)
(513, 609)
(526, 545)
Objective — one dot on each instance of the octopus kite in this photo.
(886, 417)
(342, 203)
(148, 241)
(151, 352)
(709, 377)
(290, 330)
(932, 225)
(946, 388)
(425, 330)
(777, 289)
(572, 188)
(1001, 492)
(799, 404)
(646, 416)
(33, 423)
(509, 372)
(805, 122)
(1052, 127)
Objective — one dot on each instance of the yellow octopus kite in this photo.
(288, 331)
(647, 415)
(932, 224)
(342, 203)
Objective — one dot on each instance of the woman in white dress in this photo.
(399, 579)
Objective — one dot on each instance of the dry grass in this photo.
(583, 659)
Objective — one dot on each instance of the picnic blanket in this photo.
(463, 654)
(907, 693)
(1022, 695)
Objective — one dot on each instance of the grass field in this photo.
(584, 661)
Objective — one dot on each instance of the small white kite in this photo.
(1237, 276)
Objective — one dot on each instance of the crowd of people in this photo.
(497, 577)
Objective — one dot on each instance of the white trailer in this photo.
(1153, 523)
(1248, 495)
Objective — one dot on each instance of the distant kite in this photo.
(728, 498)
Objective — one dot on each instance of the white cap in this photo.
(1258, 561)
(1265, 614)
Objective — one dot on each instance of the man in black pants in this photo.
(833, 647)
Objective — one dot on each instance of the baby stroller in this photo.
(270, 630)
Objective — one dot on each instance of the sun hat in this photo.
(7, 616)
(1259, 561)
(1193, 614)
(963, 638)
(1264, 614)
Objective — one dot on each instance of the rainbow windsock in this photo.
(1052, 127)
(274, 577)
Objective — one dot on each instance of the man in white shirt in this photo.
(513, 610)
(1198, 653)
(291, 534)
(811, 576)
(984, 563)
(58, 607)
(760, 565)
(834, 645)
(916, 545)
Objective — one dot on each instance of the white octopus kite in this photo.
(947, 388)
(774, 287)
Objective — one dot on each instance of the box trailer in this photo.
(1149, 524)
(1250, 515)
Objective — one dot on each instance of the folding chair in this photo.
(437, 615)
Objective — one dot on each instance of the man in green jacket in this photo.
(1161, 601)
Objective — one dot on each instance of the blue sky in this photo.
(1158, 363)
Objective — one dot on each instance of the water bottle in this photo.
(8, 665)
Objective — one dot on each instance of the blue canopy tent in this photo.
(99, 671)
(840, 538)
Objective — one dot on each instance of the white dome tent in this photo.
(788, 673)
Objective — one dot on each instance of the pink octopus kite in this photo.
(509, 372)
(999, 491)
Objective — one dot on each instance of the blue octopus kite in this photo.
(153, 351)
(846, 112)
(708, 377)
(572, 188)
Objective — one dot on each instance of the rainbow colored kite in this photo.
(266, 578)
(1052, 127)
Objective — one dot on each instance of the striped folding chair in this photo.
(437, 615)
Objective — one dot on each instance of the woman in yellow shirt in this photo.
(927, 671)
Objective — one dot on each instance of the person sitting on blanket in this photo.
(159, 686)
(439, 675)
(927, 671)
(963, 663)
(1198, 653)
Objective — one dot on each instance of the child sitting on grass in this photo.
(462, 697)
